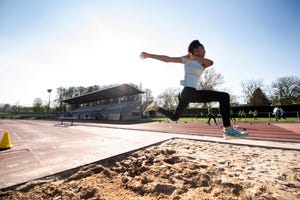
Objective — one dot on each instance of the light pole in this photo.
(49, 91)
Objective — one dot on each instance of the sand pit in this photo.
(178, 169)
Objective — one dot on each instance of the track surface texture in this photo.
(285, 132)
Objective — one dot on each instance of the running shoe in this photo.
(231, 133)
(151, 107)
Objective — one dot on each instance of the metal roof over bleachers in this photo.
(107, 93)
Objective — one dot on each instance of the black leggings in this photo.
(191, 95)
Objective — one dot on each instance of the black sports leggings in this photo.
(191, 95)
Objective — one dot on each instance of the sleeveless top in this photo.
(192, 71)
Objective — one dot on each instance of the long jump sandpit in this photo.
(53, 161)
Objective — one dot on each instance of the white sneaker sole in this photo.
(228, 137)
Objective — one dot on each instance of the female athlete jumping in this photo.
(194, 65)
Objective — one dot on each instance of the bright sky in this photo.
(53, 43)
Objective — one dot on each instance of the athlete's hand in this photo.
(144, 55)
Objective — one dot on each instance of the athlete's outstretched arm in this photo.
(163, 58)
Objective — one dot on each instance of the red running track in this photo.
(289, 132)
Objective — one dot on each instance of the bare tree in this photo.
(234, 100)
(38, 105)
(169, 98)
(6, 108)
(210, 79)
(147, 97)
(286, 90)
(61, 94)
(92, 88)
(249, 86)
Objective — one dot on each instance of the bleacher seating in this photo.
(106, 111)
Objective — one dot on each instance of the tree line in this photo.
(282, 91)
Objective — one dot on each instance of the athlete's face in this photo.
(199, 51)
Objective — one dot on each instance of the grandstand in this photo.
(121, 102)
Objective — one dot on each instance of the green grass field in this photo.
(184, 119)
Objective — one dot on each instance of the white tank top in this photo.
(192, 71)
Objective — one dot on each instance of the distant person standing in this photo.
(244, 115)
(210, 115)
(250, 114)
(255, 113)
(232, 116)
(240, 115)
(276, 113)
(281, 113)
